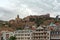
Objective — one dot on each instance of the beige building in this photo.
(41, 34)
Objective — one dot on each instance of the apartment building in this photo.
(23, 34)
(41, 34)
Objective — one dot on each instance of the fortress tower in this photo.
(17, 19)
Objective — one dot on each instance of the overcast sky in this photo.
(10, 8)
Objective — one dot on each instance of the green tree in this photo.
(19, 28)
(32, 19)
(38, 21)
(12, 38)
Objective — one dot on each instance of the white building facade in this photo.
(6, 35)
(38, 34)
(55, 35)
(23, 34)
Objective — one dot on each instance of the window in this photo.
(27, 34)
(28, 38)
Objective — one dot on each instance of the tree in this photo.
(38, 21)
(19, 28)
(32, 19)
(12, 38)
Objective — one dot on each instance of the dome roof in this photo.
(52, 24)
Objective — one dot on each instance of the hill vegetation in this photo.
(29, 21)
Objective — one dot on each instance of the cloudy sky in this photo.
(10, 8)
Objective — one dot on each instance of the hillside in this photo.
(28, 21)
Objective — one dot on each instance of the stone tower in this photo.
(17, 19)
(17, 16)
